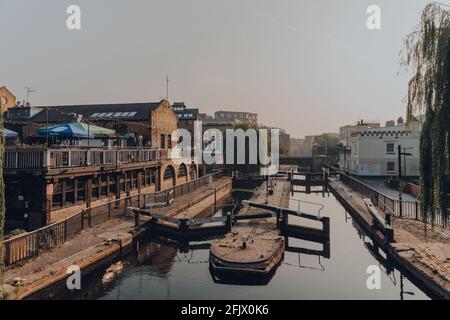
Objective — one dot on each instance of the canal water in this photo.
(155, 270)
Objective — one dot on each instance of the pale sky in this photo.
(305, 66)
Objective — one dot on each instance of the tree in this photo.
(326, 140)
(428, 55)
(2, 201)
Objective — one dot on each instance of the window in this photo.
(182, 171)
(390, 148)
(162, 142)
(169, 141)
(95, 188)
(391, 166)
(135, 180)
(81, 189)
(69, 189)
(169, 173)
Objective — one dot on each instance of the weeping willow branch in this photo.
(428, 55)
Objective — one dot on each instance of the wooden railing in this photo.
(29, 245)
(41, 158)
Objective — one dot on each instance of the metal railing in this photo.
(409, 209)
(41, 158)
(29, 245)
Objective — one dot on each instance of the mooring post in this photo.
(136, 218)
(388, 218)
(284, 220)
(326, 225)
(229, 221)
(278, 219)
(183, 226)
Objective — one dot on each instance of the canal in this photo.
(159, 270)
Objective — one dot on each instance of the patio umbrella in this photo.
(67, 130)
(9, 133)
(96, 130)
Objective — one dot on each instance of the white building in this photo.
(345, 132)
(374, 151)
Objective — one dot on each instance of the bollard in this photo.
(326, 226)
(388, 218)
(136, 218)
(183, 226)
(229, 223)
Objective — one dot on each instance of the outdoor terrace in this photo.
(42, 158)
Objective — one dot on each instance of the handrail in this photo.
(28, 245)
(308, 202)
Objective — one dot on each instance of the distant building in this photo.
(374, 151)
(186, 118)
(235, 116)
(345, 132)
(285, 142)
(7, 99)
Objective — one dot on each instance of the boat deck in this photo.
(253, 246)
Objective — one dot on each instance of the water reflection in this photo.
(162, 268)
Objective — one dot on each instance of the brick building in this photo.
(7, 99)
(46, 184)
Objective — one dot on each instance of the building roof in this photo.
(53, 115)
(237, 112)
(187, 114)
(130, 111)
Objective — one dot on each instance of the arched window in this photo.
(169, 173)
(182, 170)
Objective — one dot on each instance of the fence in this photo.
(29, 245)
(33, 158)
(409, 209)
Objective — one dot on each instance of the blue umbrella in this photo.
(68, 130)
(9, 133)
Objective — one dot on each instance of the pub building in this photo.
(48, 179)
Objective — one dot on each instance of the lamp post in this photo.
(400, 154)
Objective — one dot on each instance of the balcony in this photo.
(35, 158)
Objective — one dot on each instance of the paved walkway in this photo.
(428, 250)
(380, 186)
(93, 244)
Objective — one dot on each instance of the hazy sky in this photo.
(306, 66)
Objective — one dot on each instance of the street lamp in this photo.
(400, 154)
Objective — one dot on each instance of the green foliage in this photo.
(428, 54)
(326, 140)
